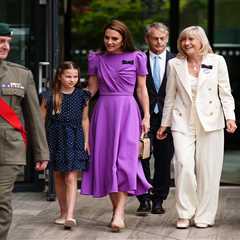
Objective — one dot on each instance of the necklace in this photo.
(195, 67)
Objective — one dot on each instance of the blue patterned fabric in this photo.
(64, 132)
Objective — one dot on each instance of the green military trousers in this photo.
(8, 174)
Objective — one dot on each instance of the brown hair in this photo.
(57, 95)
(121, 28)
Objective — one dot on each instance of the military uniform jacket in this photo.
(18, 89)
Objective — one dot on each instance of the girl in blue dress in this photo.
(65, 111)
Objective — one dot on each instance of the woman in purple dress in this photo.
(116, 124)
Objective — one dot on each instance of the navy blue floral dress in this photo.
(64, 132)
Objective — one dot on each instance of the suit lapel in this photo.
(163, 84)
(181, 69)
(204, 72)
(150, 72)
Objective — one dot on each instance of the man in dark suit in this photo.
(156, 37)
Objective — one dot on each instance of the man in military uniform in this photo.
(18, 105)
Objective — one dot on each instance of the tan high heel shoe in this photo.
(117, 225)
(69, 223)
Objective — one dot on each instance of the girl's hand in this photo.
(161, 133)
(145, 125)
(87, 148)
(231, 126)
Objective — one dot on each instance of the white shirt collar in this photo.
(162, 56)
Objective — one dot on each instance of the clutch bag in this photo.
(145, 147)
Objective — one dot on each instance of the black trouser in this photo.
(163, 151)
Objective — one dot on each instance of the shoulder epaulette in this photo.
(11, 64)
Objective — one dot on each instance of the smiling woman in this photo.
(197, 78)
(116, 71)
(113, 41)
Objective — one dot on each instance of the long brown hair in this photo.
(57, 95)
(121, 28)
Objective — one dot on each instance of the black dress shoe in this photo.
(144, 208)
(157, 208)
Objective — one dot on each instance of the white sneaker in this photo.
(201, 225)
(183, 223)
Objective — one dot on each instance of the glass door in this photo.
(34, 45)
(226, 36)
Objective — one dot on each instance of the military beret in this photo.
(5, 30)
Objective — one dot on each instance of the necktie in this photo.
(156, 73)
(156, 78)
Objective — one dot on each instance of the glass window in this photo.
(17, 14)
(227, 43)
(227, 26)
(193, 12)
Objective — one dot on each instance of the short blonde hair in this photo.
(200, 34)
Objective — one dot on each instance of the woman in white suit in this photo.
(198, 97)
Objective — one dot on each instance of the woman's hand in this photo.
(87, 147)
(161, 133)
(231, 126)
(145, 124)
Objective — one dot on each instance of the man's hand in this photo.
(161, 133)
(41, 165)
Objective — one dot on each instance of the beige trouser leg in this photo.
(198, 165)
(8, 175)
(209, 162)
(185, 178)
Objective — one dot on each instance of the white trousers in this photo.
(198, 166)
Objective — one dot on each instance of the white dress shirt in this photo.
(162, 61)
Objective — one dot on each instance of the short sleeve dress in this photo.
(115, 126)
(64, 132)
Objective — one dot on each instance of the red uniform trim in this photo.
(7, 113)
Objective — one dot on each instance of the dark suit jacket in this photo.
(154, 96)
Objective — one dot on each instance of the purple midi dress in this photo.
(115, 126)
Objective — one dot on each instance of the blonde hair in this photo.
(200, 34)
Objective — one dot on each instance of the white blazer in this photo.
(213, 98)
